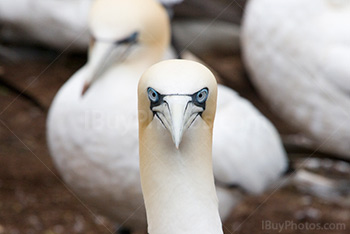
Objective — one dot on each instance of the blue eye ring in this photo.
(202, 95)
(153, 95)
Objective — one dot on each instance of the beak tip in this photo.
(85, 88)
(177, 141)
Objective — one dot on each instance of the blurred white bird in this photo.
(93, 137)
(176, 104)
(298, 55)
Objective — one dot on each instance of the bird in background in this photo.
(176, 104)
(92, 122)
(298, 54)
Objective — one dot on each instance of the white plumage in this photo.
(93, 138)
(298, 55)
(55, 23)
(93, 142)
(176, 105)
(247, 149)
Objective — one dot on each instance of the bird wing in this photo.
(323, 42)
(247, 150)
(53, 23)
(336, 66)
(293, 57)
(335, 44)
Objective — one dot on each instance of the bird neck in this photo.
(178, 185)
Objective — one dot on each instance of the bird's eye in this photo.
(202, 95)
(153, 95)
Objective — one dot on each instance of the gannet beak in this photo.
(98, 61)
(177, 106)
(177, 115)
(105, 53)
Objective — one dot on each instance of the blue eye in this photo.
(202, 95)
(153, 95)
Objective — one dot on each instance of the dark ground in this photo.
(33, 199)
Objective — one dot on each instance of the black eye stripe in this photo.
(130, 39)
(160, 100)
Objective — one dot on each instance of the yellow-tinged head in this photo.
(125, 31)
(177, 93)
(116, 20)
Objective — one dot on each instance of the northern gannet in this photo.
(298, 54)
(93, 137)
(178, 97)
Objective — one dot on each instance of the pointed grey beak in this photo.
(177, 114)
(104, 54)
(177, 106)
(98, 62)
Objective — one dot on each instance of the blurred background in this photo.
(39, 51)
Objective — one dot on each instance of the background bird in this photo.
(92, 123)
(297, 54)
(176, 104)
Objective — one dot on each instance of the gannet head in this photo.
(121, 30)
(176, 93)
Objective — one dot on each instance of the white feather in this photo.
(247, 150)
(93, 141)
(297, 53)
